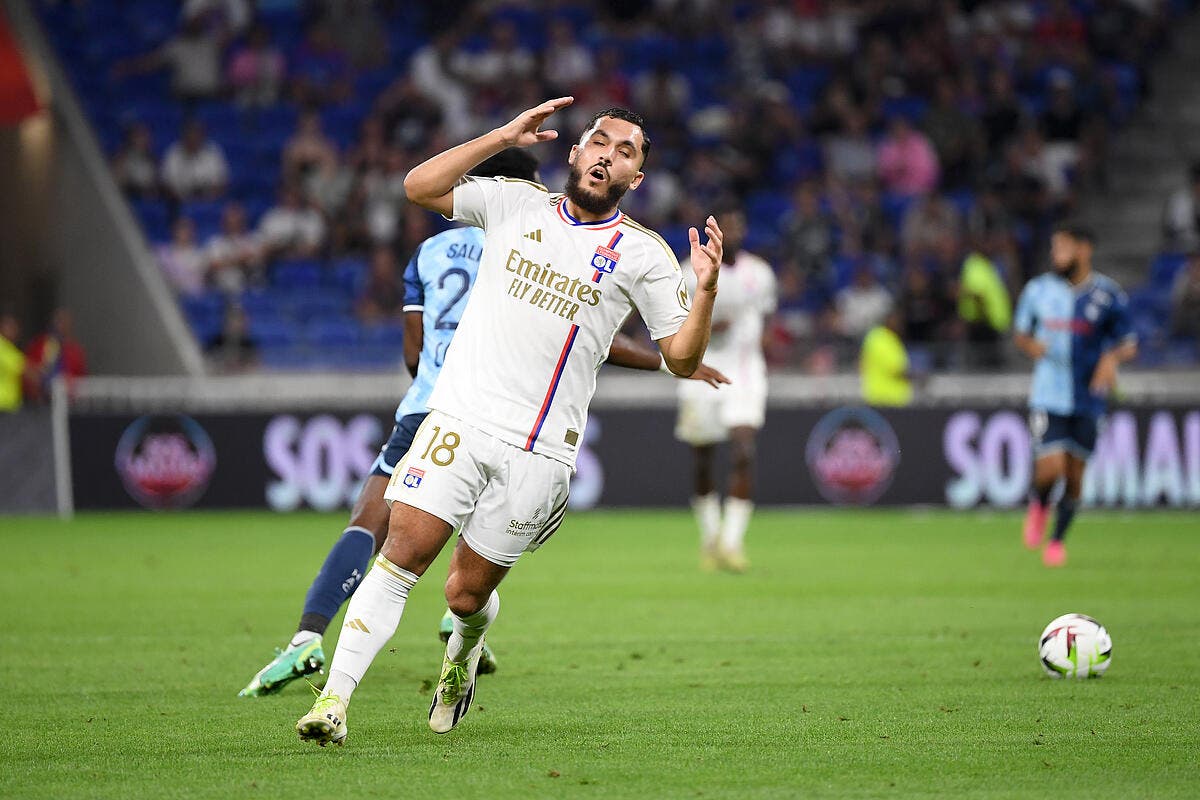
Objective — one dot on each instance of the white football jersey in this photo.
(745, 298)
(550, 295)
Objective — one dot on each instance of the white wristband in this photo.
(663, 366)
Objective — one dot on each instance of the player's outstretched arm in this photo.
(626, 352)
(683, 350)
(431, 184)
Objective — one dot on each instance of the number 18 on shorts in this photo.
(503, 500)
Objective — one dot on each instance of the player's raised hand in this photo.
(706, 258)
(523, 131)
(712, 377)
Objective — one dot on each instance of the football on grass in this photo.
(1075, 646)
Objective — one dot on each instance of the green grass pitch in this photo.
(866, 655)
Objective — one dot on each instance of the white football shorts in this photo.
(503, 500)
(706, 414)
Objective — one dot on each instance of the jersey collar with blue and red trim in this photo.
(599, 225)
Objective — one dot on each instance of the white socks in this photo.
(303, 637)
(707, 508)
(371, 619)
(737, 519)
(468, 631)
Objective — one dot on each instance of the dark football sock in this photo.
(340, 575)
(1062, 521)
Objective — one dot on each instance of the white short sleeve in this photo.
(479, 201)
(661, 296)
(768, 301)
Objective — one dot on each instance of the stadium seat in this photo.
(349, 275)
(298, 274)
(1165, 267)
(384, 334)
(333, 333)
(273, 332)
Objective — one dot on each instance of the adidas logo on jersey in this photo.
(535, 236)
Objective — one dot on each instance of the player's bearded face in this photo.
(1064, 254)
(592, 201)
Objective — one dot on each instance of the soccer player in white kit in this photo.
(734, 412)
(493, 460)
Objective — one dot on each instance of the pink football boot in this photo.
(1035, 524)
(1055, 555)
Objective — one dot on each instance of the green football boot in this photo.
(291, 663)
(487, 659)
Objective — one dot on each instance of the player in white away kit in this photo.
(558, 276)
(734, 412)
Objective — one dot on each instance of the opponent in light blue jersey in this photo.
(437, 282)
(1074, 324)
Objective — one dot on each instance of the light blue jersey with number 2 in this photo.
(437, 282)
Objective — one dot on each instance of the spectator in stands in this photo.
(1065, 128)
(230, 15)
(257, 70)
(194, 168)
(984, 305)
(1002, 114)
(908, 164)
(437, 76)
(955, 134)
(293, 228)
(849, 152)
(503, 64)
(1185, 300)
(12, 364)
(862, 305)
(383, 297)
(566, 64)
(320, 71)
(1181, 219)
(924, 304)
(235, 256)
(883, 364)
(663, 93)
(134, 166)
(931, 226)
(193, 56)
(183, 261)
(53, 353)
(386, 199)
(308, 150)
(358, 30)
(233, 349)
(807, 233)
(408, 119)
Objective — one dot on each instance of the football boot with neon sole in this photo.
(1035, 525)
(454, 693)
(295, 661)
(733, 561)
(1055, 554)
(325, 722)
(487, 659)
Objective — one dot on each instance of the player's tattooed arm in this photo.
(626, 352)
(431, 184)
(683, 350)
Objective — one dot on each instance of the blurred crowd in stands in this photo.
(901, 156)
